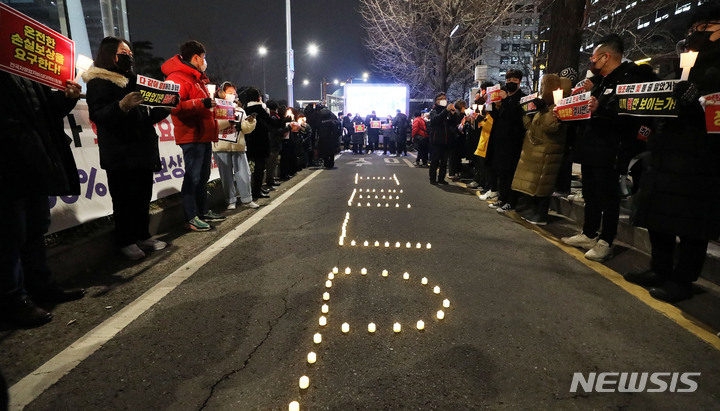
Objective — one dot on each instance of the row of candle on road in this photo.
(386, 244)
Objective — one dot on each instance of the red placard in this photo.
(224, 110)
(712, 113)
(574, 107)
(34, 51)
(375, 124)
(494, 93)
(359, 128)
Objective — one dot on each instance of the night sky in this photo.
(233, 29)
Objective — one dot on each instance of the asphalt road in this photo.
(524, 315)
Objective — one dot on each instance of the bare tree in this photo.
(429, 44)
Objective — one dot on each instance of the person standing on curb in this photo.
(195, 130)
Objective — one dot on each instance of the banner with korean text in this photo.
(224, 110)
(712, 112)
(652, 99)
(157, 93)
(34, 51)
(494, 94)
(574, 107)
(528, 105)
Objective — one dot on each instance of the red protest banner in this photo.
(224, 110)
(712, 113)
(527, 103)
(375, 124)
(494, 93)
(34, 51)
(359, 128)
(574, 107)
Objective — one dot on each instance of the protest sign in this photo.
(574, 107)
(224, 110)
(712, 113)
(375, 124)
(527, 103)
(157, 93)
(386, 126)
(34, 51)
(359, 128)
(652, 99)
(494, 94)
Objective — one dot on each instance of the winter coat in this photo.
(245, 128)
(508, 132)
(611, 140)
(348, 126)
(680, 192)
(36, 157)
(328, 134)
(373, 133)
(400, 125)
(126, 141)
(419, 128)
(192, 121)
(443, 125)
(258, 141)
(542, 154)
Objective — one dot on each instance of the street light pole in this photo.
(263, 51)
(290, 58)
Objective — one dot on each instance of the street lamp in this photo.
(313, 49)
(306, 82)
(262, 51)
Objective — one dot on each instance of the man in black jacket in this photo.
(603, 144)
(443, 123)
(36, 163)
(400, 124)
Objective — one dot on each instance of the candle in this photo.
(418, 246)
(312, 357)
(345, 327)
(687, 61)
(328, 284)
(440, 314)
(387, 244)
(406, 276)
(325, 308)
(446, 303)
(421, 325)
(304, 382)
(335, 270)
(371, 327)
(368, 204)
(341, 242)
(317, 338)
(397, 205)
(359, 205)
(408, 245)
(424, 281)
(428, 246)
(557, 95)
(326, 296)
(322, 321)
(363, 271)
(377, 243)
(294, 406)
(436, 290)
(331, 276)
(384, 273)
(347, 270)
(397, 327)
(397, 245)
(211, 90)
(408, 205)
(366, 243)
(352, 243)
(387, 205)
(401, 191)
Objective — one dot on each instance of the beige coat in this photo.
(542, 154)
(245, 128)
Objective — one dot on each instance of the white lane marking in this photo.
(408, 163)
(29, 388)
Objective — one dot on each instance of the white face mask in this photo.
(442, 103)
(229, 97)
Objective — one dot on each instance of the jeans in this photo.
(439, 160)
(197, 173)
(234, 175)
(131, 192)
(602, 201)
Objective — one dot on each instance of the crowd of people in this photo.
(517, 160)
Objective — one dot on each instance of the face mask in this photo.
(511, 87)
(229, 97)
(595, 70)
(442, 103)
(125, 63)
(698, 40)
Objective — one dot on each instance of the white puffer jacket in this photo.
(245, 128)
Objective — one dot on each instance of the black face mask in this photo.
(698, 40)
(511, 87)
(125, 63)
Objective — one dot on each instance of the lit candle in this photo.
(345, 327)
(408, 205)
(304, 382)
(428, 246)
(687, 61)
(401, 191)
(446, 303)
(368, 204)
(363, 271)
(397, 205)
(421, 325)
(406, 276)
(557, 95)
(366, 243)
(294, 406)
(387, 205)
(424, 281)
(408, 245)
(322, 321)
(418, 246)
(312, 357)
(397, 327)
(211, 90)
(384, 273)
(359, 205)
(326, 296)
(331, 276)
(341, 242)
(440, 314)
(335, 270)
(436, 290)
(328, 283)
(325, 308)
(347, 270)
(317, 338)
(373, 190)
(377, 243)
(382, 190)
(397, 245)
(371, 327)
(352, 243)
(387, 244)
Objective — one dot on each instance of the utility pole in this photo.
(290, 57)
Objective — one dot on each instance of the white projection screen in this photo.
(385, 99)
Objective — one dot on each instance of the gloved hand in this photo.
(208, 102)
(130, 101)
(685, 93)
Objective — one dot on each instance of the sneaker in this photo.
(535, 219)
(132, 252)
(580, 240)
(196, 224)
(251, 204)
(473, 184)
(489, 195)
(213, 216)
(496, 204)
(505, 208)
(601, 252)
(151, 244)
(231, 206)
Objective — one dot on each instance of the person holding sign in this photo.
(680, 193)
(358, 137)
(606, 139)
(127, 142)
(372, 123)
